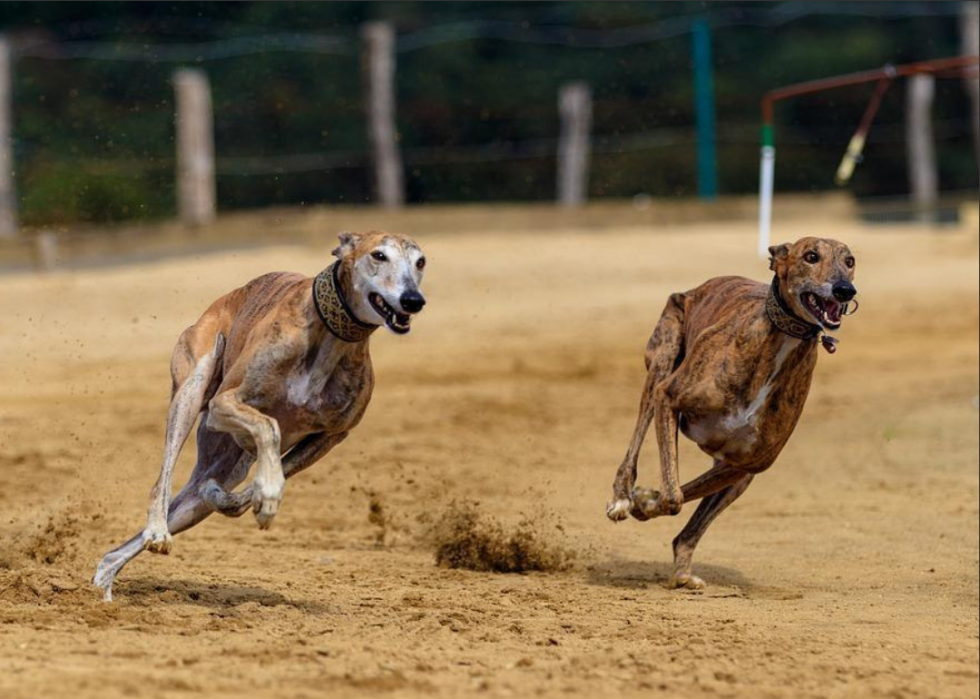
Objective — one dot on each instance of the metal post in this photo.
(379, 76)
(704, 101)
(575, 111)
(767, 172)
(8, 196)
(195, 147)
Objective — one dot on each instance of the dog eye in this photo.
(811, 258)
(420, 264)
(849, 261)
(379, 256)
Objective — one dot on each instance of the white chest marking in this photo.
(746, 416)
(305, 386)
(301, 388)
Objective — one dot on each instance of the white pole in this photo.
(767, 170)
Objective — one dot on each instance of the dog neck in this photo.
(331, 305)
(784, 319)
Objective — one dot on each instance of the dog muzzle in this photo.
(787, 322)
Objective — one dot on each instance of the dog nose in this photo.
(844, 291)
(412, 301)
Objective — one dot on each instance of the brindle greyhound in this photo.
(730, 364)
(280, 372)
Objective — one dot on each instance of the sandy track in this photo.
(849, 569)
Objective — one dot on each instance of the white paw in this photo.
(685, 581)
(103, 579)
(618, 510)
(157, 540)
(265, 503)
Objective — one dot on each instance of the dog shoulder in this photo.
(723, 303)
(728, 285)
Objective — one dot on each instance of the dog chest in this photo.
(324, 397)
(736, 430)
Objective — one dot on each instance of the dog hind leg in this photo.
(718, 477)
(685, 543)
(664, 353)
(220, 460)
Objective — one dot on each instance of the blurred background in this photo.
(673, 96)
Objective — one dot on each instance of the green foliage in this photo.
(55, 193)
(94, 138)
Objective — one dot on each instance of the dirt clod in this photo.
(467, 538)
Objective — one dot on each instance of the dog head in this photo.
(383, 272)
(816, 279)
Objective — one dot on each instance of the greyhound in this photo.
(730, 364)
(280, 372)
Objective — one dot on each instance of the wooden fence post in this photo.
(195, 147)
(575, 110)
(8, 196)
(46, 251)
(923, 176)
(379, 78)
(970, 46)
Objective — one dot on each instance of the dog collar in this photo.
(333, 310)
(783, 318)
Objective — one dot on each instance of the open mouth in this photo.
(827, 311)
(399, 323)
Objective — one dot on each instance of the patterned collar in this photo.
(333, 310)
(784, 319)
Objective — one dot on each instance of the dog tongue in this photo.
(833, 310)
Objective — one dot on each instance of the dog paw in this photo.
(685, 581)
(104, 577)
(267, 494)
(646, 504)
(265, 507)
(618, 510)
(265, 512)
(157, 540)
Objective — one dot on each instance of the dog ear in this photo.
(778, 253)
(348, 241)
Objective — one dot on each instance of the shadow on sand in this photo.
(208, 594)
(642, 575)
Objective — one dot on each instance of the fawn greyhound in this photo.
(280, 372)
(730, 365)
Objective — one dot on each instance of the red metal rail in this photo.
(941, 65)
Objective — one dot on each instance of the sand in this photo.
(848, 569)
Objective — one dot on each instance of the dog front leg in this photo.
(647, 504)
(258, 433)
(664, 352)
(301, 457)
(619, 508)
